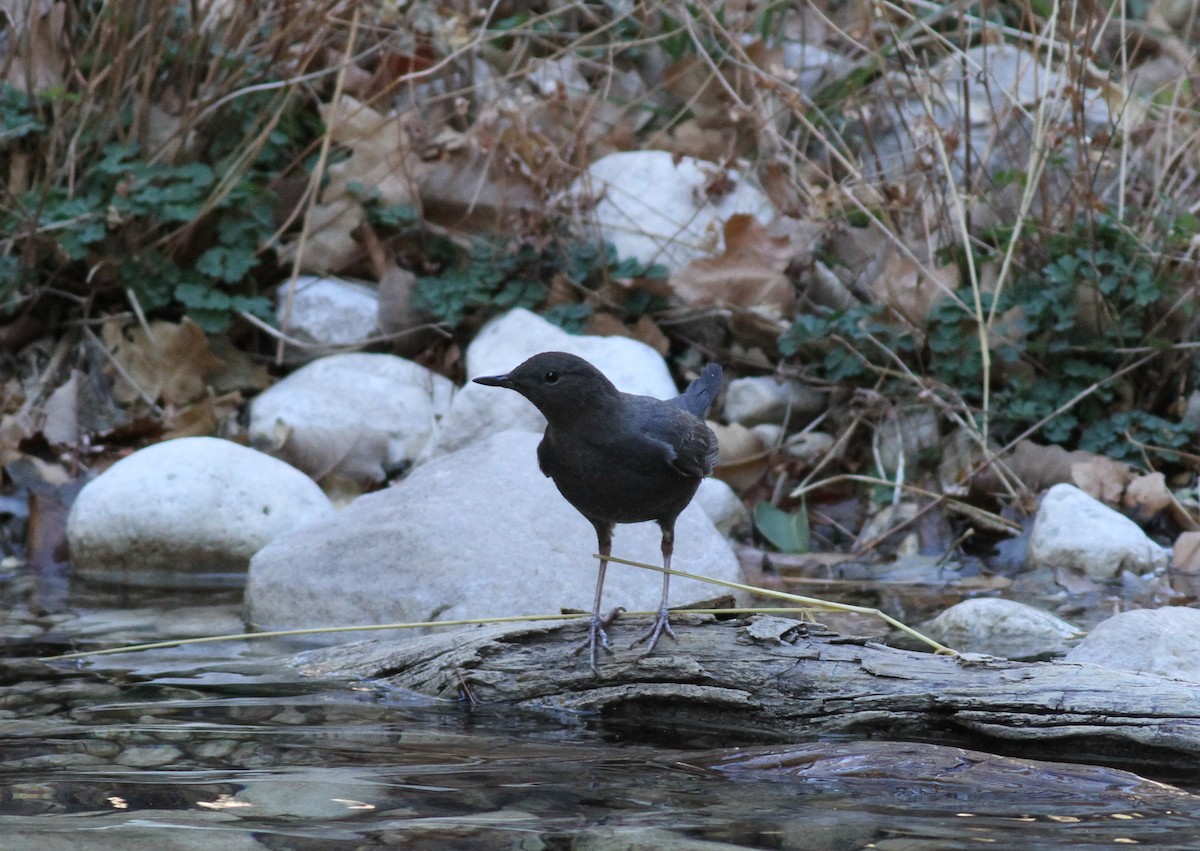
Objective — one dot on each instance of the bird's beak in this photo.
(495, 380)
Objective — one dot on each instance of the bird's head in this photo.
(561, 385)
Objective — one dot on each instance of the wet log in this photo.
(773, 679)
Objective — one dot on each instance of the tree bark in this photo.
(773, 679)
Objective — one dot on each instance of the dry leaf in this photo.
(36, 44)
(1037, 467)
(1101, 478)
(471, 190)
(203, 418)
(748, 276)
(381, 157)
(171, 363)
(1147, 496)
(1075, 581)
(61, 424)
(238, 371)
(381, 162)
(1185, 555)
(603, 324)
(905, 286)
(743, 456)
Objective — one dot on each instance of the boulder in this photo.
(327, 312)
(186, 512)
(1073, 531)
(1162, 641)
(477, 533)
(655, 207)
(1001, 627)
(379, 405)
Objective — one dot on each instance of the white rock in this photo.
(326, 311)
(1074, 531)
(509, 340)
(762, 399)
(478, 533)
(722, 505)
(1002, 628)
(771, 435)
(810, 446)
(657, 209)
(1162, 641)
(175, 511)
(355, 393)
(991, 90)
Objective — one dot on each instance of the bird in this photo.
(618, 458)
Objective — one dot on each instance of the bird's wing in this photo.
(693, 451)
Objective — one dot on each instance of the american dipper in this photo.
(618, 458)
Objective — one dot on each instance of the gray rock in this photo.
(1162, 641)
(328, 312)
(1005, 628)
(993, 90)
(354, 394)
(762, 399)
(176, 512)
(507, 341)
(477, 533)
(655, 208)
(1076, 532)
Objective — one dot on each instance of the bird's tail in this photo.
(699, 396)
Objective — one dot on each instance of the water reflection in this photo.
(222, 746)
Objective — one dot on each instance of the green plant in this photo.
(1064, 329)
(494, 274)
(157, 183)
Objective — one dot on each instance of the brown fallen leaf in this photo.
(472, 190)
(1102, 478)
(61, 424)
(36, 45)
(749, 275)
(1147, 496)
(744, 457)
(1039, 467)
(238, 371)
(166, 362)
(646, 330)
(382, 162)
(910, 289)
(1185, 555)
(206, 417)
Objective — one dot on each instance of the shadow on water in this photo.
(223, 746)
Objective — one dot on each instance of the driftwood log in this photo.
(771, 679)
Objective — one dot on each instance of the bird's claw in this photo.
(662, 625)
(597, 638)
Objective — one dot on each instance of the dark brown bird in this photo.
(618, 458)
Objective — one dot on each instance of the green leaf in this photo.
(788, 533)
(226, 264)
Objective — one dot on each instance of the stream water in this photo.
(223, 745)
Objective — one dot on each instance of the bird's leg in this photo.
(597, 637)
(662, 623)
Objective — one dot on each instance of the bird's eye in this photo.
(551, 377)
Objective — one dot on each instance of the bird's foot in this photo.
(597, 638)
(662, 625)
